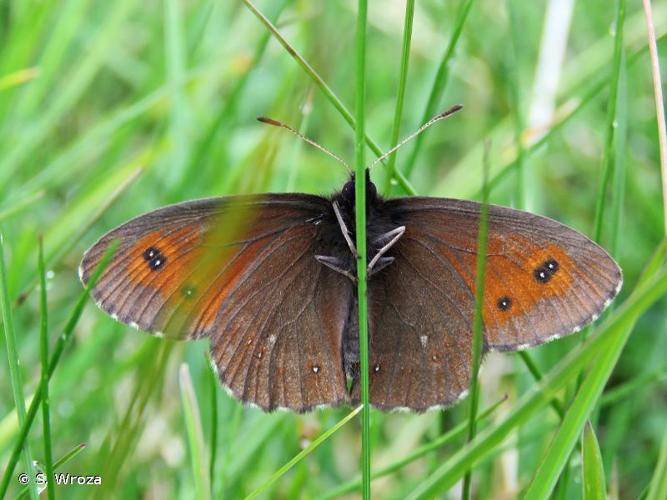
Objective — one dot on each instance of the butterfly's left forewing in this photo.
(242, 271)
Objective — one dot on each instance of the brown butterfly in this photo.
(271, 280)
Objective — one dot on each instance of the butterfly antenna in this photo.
(276, 123)
(432, 121)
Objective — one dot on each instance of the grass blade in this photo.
(608, 158)
(195, 435)
(593, 481)
(304, 453)
(18, 78)
(62, 342)
(360, 214)
(214, 383)
(228, 111)
(442, 440)
(77, 83)
(621, 392)
(15, 377)
(618, 180)
(44, 381)
(658, 486)
(537, 375)
(400, 97)
(178, 126)
(659, 102)
(478, 323)
(57, 464)
(119, 444)
(326, 90)
(539, 395)
(19, 205)
(515, 100)
(580, 410)
(462, 180)
(440, 82)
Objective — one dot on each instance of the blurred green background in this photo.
(112, 109)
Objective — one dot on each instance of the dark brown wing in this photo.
(240, 270)
(543, 280)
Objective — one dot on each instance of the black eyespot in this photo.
(544, 273)
(551, 265)
(504, 303)
(150, 253)
(157, 262)
(154, 257)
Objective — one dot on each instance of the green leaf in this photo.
(658, 487)
(195, 435)
(593, 481)
(304, 453)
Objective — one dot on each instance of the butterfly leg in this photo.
(345, 231)
(336, 264)
(380, 264)
(393, 236)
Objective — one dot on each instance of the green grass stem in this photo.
(514, 86)
(658, 486)
(56, 465)
(658, 101)
(580, 409)
(593, 480)
(304, 453)
(326, 90)
(58, 350)
(616, 325)
(44, 375)
(449, 437)
(610, 133)
(440, 82)
(195, 434)
(214, 387)
(360, 222)
(15, 377)
(478, 320)
(400, 95)
(618, 180)
(535, 371)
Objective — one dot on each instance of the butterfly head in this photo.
(347, 194)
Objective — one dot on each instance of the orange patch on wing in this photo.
(211, 271)
(178, 250)
(510, 273)
(217, 284)
(511, 278)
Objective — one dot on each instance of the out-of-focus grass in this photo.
(110, 109)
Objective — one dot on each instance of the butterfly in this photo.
(270, 280)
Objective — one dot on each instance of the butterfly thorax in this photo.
(340, 231)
